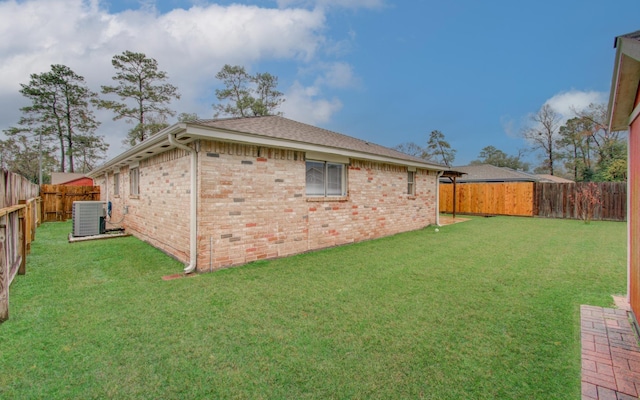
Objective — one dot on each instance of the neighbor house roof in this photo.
(491, 173)
(273, 131)
(552, 179)
(624, 83)
(59, 178)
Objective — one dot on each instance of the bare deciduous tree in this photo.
(542, 134)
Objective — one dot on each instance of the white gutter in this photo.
(193, 223)
(438, 197)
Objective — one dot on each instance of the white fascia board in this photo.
(312, 155)
(629, 47)
(153, 141)
(613, 93)
(239, 137)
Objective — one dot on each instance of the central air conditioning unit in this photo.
(88, 218)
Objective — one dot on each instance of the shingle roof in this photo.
(553, 179)
(633, 35)
(63, 177)
(283, 128)
(274, 130)
(491, 173)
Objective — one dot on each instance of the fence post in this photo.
(39, 210)
(22, 238)
(4, 274)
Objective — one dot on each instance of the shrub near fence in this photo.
(19, 216)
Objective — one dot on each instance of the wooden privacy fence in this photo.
(57, 200)
(503, 198)
(18, 221)
(552, 200)
(558, 200)
(15, 188)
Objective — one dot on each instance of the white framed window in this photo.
(134, 181)
(411, 183)
(325, 179)
(116, 184)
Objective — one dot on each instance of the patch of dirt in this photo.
(621, 302)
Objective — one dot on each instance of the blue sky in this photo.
(385, 71)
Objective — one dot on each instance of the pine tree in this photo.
(143, 97)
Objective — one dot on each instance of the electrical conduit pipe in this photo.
(193, 225)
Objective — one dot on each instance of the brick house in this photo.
(218, 193)
(624, 110)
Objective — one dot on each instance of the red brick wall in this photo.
(253, 206)
(160, 213)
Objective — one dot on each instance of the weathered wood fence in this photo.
(19, 217)
(552, 200)
(557, 200)
(57, 200)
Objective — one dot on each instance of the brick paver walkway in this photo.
(610, 355)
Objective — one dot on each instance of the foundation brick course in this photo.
(252, 204)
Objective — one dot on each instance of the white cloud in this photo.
(509, 126)
(304, 104)
(191, 45)
(352, 4)
(338, 75)
(568, 103)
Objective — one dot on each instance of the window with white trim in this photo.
(116, 184)
(134, 181)
(411, 183)
(325, 179)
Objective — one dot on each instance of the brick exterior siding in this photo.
(252, 204)
(159, 215)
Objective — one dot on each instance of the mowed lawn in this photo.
(484, 309)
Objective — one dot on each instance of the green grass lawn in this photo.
(488, 308)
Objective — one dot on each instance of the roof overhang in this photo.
(186, 133)
(624, 83)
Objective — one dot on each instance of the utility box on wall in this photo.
(89, 218)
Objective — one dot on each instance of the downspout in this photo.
(193, 224)
(106, 189)
(438, 197)
(106, 185)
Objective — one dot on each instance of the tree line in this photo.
(57, 130)
(582, 149)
